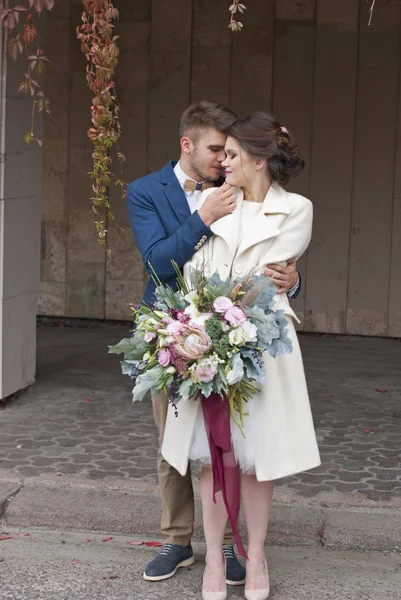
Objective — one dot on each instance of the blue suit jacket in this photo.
(163, 225)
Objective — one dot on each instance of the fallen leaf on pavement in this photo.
(24, 534)
(4, 536)
(366, 431)
(75, 562)
(381, 390)
(135, 543)
(153, 544)
(87, 540)
(20, 446)
(107, 539)
(86, 400)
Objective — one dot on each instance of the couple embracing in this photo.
(189, 213)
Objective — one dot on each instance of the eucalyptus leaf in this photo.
(145, 382)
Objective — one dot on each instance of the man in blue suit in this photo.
(168, 224)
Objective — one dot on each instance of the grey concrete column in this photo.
(20, 224)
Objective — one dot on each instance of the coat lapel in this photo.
(227, 228)
(173, 192)
(266, 224)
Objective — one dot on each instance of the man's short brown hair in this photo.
(205, 115)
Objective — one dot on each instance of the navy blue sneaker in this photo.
(235, 572)
(170, 558)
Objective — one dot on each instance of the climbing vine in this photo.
(19, 22)
(99, 45)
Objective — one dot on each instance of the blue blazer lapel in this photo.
(174, 192)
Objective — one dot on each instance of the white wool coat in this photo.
(286, 443)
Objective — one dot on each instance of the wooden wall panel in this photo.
(373, 197)
(170, 61)
(332, 164)
(125, 271)
(211, 49)
(252, 59)
(293, 84)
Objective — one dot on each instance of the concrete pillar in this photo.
(20, 217)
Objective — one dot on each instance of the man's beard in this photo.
(200, 174)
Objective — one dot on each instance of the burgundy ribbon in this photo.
(216, 414)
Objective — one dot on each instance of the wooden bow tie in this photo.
(193, 186)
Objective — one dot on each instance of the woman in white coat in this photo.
(268, 225)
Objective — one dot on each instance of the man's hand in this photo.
(218, 204)
(283, 277)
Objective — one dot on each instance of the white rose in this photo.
(237, 337)
(170, 370)
(202, 318)
(192, 311)
(250, 330)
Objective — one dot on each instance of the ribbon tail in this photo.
(226, 478)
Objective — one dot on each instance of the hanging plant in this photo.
(235, 7)
(20, 20)
(99, 44)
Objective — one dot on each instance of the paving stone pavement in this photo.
(78, 417)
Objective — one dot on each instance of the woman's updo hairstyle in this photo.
(262, 136)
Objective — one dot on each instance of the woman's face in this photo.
(239, 166)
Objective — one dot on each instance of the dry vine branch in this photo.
(99, 44)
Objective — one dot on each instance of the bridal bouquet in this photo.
(207, 337)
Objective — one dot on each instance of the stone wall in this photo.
(331, 79)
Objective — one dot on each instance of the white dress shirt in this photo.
(192, 197)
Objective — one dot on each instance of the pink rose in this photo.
(167, 320)
(175, 328)
(235, 316)
(163, 357)
(206, 372)
(193, 342)
(149, 336)
(222, 303)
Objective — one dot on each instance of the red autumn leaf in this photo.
(75, 562)
(107, 539)
(87, 540)
(320, 532)
(3, 537)
(135, 543)
(86, 400)
(59, 474)
(366, 431)
(24, 534)
(340, 470)
(157, 544)
(382, 390)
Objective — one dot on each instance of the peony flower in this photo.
(206, 371)
(149, 336)
(167, 320)
(163, 357)
(193, 342)
(175, 328)
(222, 303)
(235, 316)
(250, 330)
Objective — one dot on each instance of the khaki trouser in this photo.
(178, 513)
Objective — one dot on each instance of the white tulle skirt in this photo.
(244, 447)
